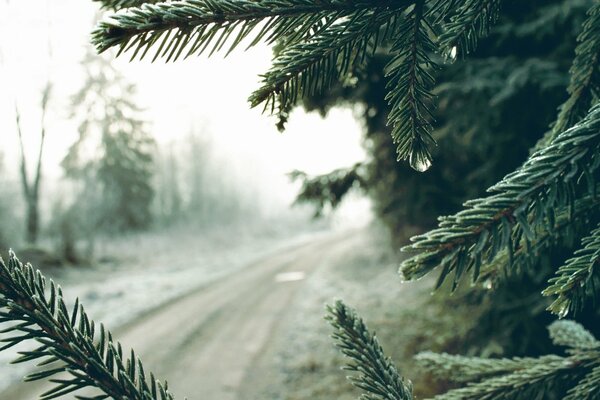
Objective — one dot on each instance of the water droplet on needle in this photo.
(419, 162)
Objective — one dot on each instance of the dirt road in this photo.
(206, 342)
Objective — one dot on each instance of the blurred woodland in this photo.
(116, 179)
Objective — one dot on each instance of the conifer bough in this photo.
(520, 203)
(485, 378)
(69, 342)
(322, 42)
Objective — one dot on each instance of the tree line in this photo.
(116, 177)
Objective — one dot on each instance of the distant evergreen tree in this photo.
(550, 200)
(113, 155)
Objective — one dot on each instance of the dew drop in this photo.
(564, 310)
(419, 162)
(451, 54)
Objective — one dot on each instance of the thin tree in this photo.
(31, 185)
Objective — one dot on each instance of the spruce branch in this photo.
(34, 309)
(410, 83)
(328, 189)
(520, 202)
(463, 369)
(572, 335)
(538, 381)
(376, 374)
(120, 4)
(324, 41)
(519, 378)
(310, 67)
(588, 388)
(578, 280)
(584, 86)
(471, 21)
(443, 10)
(201, 25)
(559, 228)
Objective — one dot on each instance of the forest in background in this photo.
(116, 179)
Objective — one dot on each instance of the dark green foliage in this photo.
(472, 20)
(351, 40)
(578, 279)
(73, 353)
(409, 85)
(375, 373)
(541, 207)
(520, 204)
(120, 4)
(479, 127)
(585, 74)
(546, 377)
(330, 189)
(322, 42)
(115, 180)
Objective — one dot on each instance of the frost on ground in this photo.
(141, 272)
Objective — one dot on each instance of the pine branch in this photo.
(461, 369)
(538, 381)
(409, 86)
(120, 4)
(310, 67)
(572, 335)
(69, 341)
(200, 25)
(559, 228)
(520, 202)
(377, 375)
(588, 388)
(578, 279)
(471, 21)
(443, 10)
(324, 41)
(584, 86)
(328, 189)
(520, 378)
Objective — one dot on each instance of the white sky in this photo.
(209, 93)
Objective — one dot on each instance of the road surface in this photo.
(206, 342)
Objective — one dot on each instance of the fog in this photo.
(47, 40)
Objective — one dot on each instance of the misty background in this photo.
(200, 98)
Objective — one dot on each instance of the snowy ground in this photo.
(145, 271)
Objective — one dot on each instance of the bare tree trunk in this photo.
(31, 190)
